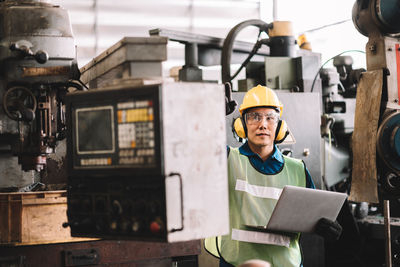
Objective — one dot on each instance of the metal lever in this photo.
(388, 241)
(230, 103)
(24, 47)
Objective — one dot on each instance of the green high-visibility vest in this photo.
(252, 197)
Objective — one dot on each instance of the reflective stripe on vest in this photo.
(260, 237)
(258, 191)
(252, 197)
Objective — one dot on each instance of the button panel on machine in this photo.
(117, 208)
(136, 141)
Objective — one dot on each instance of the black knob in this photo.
(41, 56)
(27, 114)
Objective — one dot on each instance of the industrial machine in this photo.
(378, 20)
(142, 165)
(359, 125)
(138, 166)
(38, 68)
(38, 65)
(339, 86)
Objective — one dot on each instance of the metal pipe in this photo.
(274, 10)
(191, 55)
(386, 214)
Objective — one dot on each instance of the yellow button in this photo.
(119, 116)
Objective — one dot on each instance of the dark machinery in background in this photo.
(378, 20)
(339, 86)
(359, 125)
(38, 65)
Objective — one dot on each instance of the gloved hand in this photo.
(328, 229)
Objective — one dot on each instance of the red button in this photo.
(155, 227)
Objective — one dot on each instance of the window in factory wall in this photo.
(98, 24)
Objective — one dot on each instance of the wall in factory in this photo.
(97, 24)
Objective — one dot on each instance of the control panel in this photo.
(136, 133)
(121, 134)
(115, 184)
(117, 208)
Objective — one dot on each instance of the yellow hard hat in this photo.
(260, 96)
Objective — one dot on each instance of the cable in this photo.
(227, 47)
(256, 46)
(316, 75)
(326, 26)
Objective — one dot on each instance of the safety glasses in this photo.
(256, 117)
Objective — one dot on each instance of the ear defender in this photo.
(281, 132)
(239, 127)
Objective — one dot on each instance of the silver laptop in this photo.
(298, 209)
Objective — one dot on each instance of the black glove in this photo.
(328, 229)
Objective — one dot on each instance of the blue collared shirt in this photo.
(272, 165)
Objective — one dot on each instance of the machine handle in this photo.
(20, 103)
(24, 48)
(181, 193)
(230, 103)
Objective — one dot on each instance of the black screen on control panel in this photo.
(94, 130)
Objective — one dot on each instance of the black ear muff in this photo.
(239, 127)
(281, 132)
